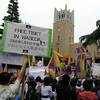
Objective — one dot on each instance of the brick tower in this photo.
(63, 31)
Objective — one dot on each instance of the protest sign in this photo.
(37, 71)
(96, 69)
(13, 59)
(25, 39)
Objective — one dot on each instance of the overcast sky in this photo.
(41, 13)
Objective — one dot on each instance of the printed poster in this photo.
(26, 39)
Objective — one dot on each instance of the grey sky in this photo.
(41, 13)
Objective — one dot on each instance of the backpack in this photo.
(87, 95)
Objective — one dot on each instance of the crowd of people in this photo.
(49, 88)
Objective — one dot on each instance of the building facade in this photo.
(63, 31)
(63, 35)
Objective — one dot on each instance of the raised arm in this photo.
(23, 69)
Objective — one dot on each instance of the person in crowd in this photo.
(30, 91)
(46, 89)
(63, 88)
(9, 91)
(79, 85)
(87, 94)
(38, 87)
(53, 83)
(74, 91)
(97, 86)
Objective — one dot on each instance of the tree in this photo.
(1, 31)
(98, 23)
(13, 14)
(93, 38)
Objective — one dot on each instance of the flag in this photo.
(60, 65)
(55, 66)
(69, 60)
(80, 50)
(77, 67)
(77, 64)
(57, 59)
(59, 55)
(51, 66)
(1, 68)
(82, 64)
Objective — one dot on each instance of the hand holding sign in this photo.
(25, 60)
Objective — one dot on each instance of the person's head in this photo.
(31, 80)
(30, 77)
(4, 78)
(38, 79)
(65, 79)
(46, 81)
(87, 85)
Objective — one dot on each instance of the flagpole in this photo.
(5, 68)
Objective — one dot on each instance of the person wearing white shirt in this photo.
(46, 89)
(9, 91)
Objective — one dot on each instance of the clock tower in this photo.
(63, 31)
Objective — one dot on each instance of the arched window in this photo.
(63, 15)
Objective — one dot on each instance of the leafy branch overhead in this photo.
(93, 38)
(13, 14)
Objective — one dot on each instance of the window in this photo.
(59, 15)
(58, 37)
(63, 15)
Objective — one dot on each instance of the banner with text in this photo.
(25, 39)
(13, 59)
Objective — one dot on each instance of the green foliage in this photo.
(93, 38)
(13, 14)
(1, 32)
(98, 23)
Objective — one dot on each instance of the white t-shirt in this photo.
(46, 91)
(8, 92)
